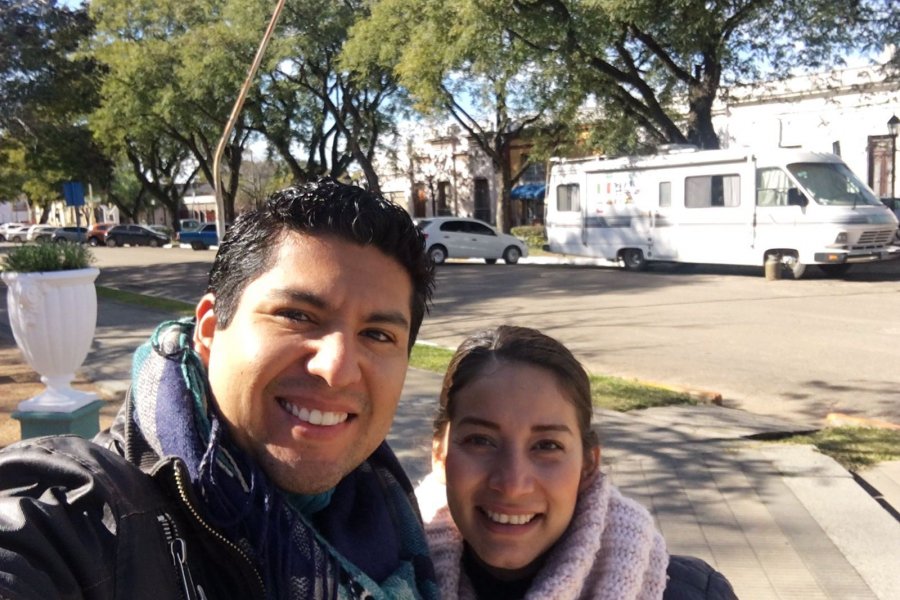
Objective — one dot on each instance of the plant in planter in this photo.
(52, 306)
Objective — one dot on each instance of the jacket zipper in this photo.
(179, 481)
(178, 550)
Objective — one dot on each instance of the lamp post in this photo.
(894, 128)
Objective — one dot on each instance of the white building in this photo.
(845, 112)
(437, 170)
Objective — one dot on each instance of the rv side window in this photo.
(567, 198)
(772, 187)
(712, 190)
(665, 193)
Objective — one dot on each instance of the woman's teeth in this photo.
(509, 519)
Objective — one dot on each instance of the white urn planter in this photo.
(53, 315)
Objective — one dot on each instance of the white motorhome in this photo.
(718, 206)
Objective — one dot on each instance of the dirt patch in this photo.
(19, 382)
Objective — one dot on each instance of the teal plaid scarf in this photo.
(364, 539)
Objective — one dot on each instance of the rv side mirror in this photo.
(796, 197)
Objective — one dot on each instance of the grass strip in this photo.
(616, 393)
(178, 307)
(853, 447)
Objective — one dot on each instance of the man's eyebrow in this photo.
(478, 422)
(303, 297)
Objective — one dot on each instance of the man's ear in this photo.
(439, 456)
(205, 329)
(591, 468)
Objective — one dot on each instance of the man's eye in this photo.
(378, 335)
(293, 315)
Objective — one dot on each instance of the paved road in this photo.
(795, 349)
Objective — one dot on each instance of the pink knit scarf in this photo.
(611, 550)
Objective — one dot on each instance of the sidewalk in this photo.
(781, 521)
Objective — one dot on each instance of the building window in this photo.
(567, 198)
(712, 191)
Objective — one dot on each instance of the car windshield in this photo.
(833, 184)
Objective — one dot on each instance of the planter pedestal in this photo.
(84, 421)
(53, 316)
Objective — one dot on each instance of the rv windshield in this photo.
(832, 184)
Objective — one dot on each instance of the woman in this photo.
(516, 506)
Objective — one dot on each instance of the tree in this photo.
(456, 60)
(661, 67)
(310, 103)
(175, 67)
(46, 90)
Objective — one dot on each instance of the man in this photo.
(248, 460)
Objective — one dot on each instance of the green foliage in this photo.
(535, 236)
(46, 90)
(854, 447)
(33, 258)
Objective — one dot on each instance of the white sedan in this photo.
(462, 237)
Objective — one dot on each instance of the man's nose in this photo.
(511, 473)
(335, 360)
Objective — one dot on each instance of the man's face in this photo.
(309, 371)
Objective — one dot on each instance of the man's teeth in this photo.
(315, 417)
(509, 519)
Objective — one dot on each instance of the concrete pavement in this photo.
(781, 521)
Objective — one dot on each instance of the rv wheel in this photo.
(633, 259)
(792, 263)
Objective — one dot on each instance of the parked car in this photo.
(163, 229)
(97, 233)
(40, 233)
(203, 238)
(70, 234)
(462, 237)
(134, 235)
(189, 224)
(15, 232)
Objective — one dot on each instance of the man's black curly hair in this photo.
(325, 207)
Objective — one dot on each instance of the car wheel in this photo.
(438, 254)
(490, 261)
(111, 242)
(512, 255)
(198, 246)
(154, 243)
(93, 242)
(633, 259)
(16, 238)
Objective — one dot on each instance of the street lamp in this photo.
(894, 128)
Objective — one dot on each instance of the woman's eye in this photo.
(549, 445)
(478, 441)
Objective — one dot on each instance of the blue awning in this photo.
(528, 191)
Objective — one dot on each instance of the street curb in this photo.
(845, 420)
(704, 396)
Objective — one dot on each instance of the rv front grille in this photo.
(873, 239)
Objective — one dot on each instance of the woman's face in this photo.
(514, 463)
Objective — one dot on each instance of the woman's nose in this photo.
(511, 474)
(335, 360)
